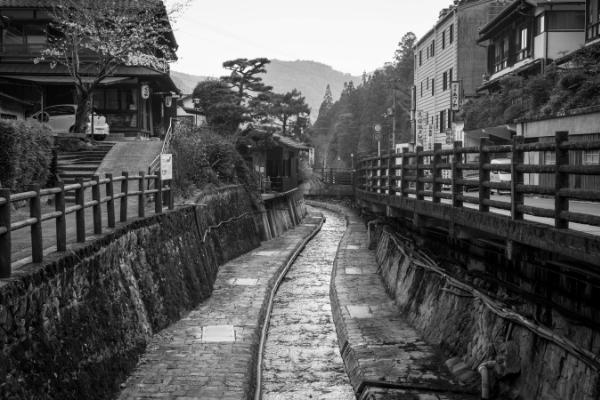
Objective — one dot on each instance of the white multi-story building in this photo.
(449, 64)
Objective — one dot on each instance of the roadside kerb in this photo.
(379, 348)
(181, 363)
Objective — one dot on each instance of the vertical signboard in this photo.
(166, 167)
(455, 96)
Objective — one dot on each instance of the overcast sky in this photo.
(350, 35)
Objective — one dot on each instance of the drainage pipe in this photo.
(485, 378)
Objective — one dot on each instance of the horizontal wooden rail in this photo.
(432, 175)
(161, 194)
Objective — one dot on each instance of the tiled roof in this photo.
(289, 142)
(44, 69)
(49, 3)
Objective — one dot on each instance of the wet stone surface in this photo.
(302, 357)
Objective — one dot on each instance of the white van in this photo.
(500, 176)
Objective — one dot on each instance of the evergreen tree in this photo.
(327, 102)
(290, 106)
(245, 79)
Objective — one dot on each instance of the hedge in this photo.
(25, 154)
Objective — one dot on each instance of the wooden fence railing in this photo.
(335, 176)
(420, 174)
(161, 194)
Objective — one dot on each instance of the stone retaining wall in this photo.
(75, 326)
(467, 329)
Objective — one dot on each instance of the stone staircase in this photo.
(82, 164)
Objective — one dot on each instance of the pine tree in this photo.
(327, 102)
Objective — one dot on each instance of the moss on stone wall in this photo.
(74, 327)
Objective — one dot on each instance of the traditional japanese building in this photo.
(135, 100)
(449, 65)
(528, 35)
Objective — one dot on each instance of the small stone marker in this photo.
(267, 253)
(359, 311)
(353, 271)
(218, 334)
(243, 282)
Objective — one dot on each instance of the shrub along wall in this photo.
(74, 327)
(25, 154)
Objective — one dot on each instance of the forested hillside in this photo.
(309, 77)
(345, 127)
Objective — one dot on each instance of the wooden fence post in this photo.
(125, 196)
(436, 173)
(171, 196)
(110, 204)
(457, 175)
(561, 181)
(390, 180)
(420, 185)
(35, 211)
(80, 214)
(516, 179)
(5, 244)
(142, 195)
(158, 202)
(61, 220)
(403, 171)
(96, 210)
(484, 176)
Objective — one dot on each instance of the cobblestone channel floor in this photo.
(302, 357)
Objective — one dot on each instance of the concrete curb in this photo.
(372, 360)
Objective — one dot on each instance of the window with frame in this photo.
(522, 44)
(540, 24)
(501, 54)
(421, 88)
(565, 20)
(444, 81)
(22, 38)
(442, 121)
(593, 19)
(443, 40)
(420, 57)
(451, 34)
(432, 51)
(591, 157)
(450, 75)
(549, 158)
(432, 87)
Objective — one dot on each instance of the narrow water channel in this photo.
(302, 357)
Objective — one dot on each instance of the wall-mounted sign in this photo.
(455, 96)
(166, 167)
(145, 89)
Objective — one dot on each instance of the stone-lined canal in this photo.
(302, 357)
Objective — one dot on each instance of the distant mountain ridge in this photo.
(310, 77)
(187, 82)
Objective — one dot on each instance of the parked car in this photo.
(61, 119)
(495, 175)
(500, 176)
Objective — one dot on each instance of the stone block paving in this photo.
(302, 356)
(211, 352)
(384, 356)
